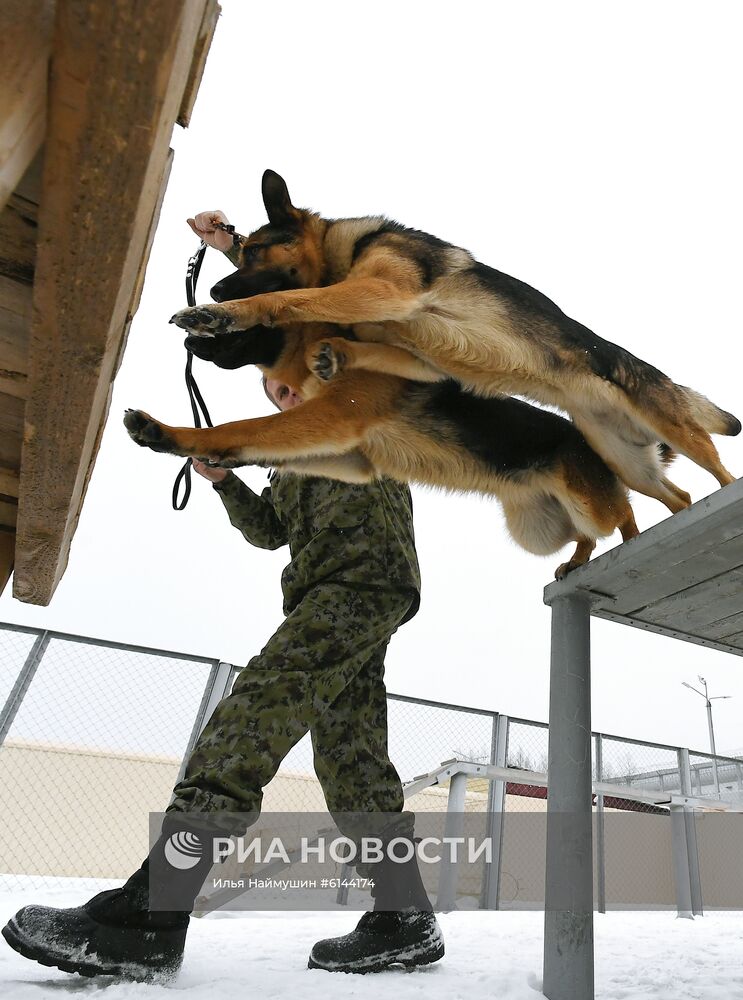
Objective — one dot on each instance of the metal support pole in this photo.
(447, 893)
(490, 895)
(217, 686)
(25, 676)
(680, 852)
(690, 837)
(568, 918)
(600, 838)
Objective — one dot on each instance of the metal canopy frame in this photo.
(682, 578)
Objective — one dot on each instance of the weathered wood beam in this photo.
(7, 553)
(8, 512)
(11, 431)
(25, 33)
(201, 51)
(111, 113)
(15, 320)
(18, 239)
(9, 481)
(17, 262)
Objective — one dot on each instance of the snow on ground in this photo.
(651, 956)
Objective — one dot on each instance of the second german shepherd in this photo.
(361, 424)
(489, 331)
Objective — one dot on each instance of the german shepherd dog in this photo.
(490, 332)
(360, 424)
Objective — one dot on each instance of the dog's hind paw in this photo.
(146, 431)
(204, 321)
(564, 568)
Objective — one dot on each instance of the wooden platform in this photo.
(89, 95)
(683, 577)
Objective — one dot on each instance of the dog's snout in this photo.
(217, 291)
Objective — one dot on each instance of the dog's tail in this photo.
(711, 417)
(647, 385)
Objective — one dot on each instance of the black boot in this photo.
(400, 930)
(114, 933)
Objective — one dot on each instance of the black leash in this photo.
(193, 269)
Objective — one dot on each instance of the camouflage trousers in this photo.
(321, 672)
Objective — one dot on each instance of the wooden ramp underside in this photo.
(89, 95)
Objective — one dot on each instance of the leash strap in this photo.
(198, 406)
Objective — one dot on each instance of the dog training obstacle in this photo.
(682, 578)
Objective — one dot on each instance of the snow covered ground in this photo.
(495, 955)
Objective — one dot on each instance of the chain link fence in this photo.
(93, 736)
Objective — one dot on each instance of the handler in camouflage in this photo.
(352, 580)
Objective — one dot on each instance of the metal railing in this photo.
(94, 734)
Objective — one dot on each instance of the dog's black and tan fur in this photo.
(491, 333)
(361, 424)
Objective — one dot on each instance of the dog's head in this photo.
(284, 254)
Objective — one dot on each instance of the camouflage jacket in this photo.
(357, 535)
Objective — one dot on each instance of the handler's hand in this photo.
(203, 226)
(211, 472)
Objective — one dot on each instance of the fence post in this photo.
(25, 676)
(680, 852)
(490, 895)
(217, 685)
(600, 838)
(447, 892)
(690, 836)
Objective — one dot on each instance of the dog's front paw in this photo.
(326, 360)
(204, 321)
(146, 431)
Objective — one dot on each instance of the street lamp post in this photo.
(708, 702)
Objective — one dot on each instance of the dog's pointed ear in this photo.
(276, 198)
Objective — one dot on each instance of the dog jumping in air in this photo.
(490, 332)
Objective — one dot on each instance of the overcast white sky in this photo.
(592, 150)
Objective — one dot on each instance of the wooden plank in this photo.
(705, 617)
(11, 431)
(212, 11)
(9, 481)
(736, 639)
(29, 187)
(691, 606)
(7, 553)
(676, 541)
(18, 226)
(723, 628)
(25, 33)
(18, 239)
(676, 578)
(8, 512)
(693, 531)
(111, 113)
(15, 322)
(139, 283)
